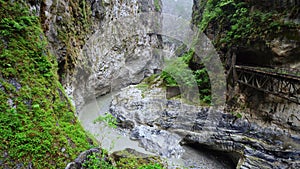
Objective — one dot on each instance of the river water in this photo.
(118, 139)
(109, 138)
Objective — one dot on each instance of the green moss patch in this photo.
(38, 126)
(130, 158)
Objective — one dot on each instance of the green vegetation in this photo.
(177, 72)
(236, 114)
(37, 121)
(240, 24)
(179, 69)
(97, 161)
(157, 5)
(38, 126)
(109, 119)
(128, 163)
(128, 160)
(72, 31)
(151, 166)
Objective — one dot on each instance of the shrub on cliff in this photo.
(178, 70)
(241, 22)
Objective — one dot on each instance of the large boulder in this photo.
(134, 159)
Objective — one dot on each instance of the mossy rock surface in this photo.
(38, 126)
(130, 158)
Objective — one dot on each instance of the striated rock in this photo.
(259, 144)
(272, 109)
(268, 114)
(139, 111)
(160, 142)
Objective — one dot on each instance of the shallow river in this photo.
(117, 139)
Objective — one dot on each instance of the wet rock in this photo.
(158, 141)
(273, 109)
(130, 106)
(281, 48)
(258, 144)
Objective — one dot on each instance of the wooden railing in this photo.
(284, 83)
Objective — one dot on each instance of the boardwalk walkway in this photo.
(284, 83)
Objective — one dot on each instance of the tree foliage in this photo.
(240, 24)
(177, 72)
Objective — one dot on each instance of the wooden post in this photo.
(233, 62)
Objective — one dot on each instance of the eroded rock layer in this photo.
(258, 144)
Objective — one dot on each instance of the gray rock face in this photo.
(276, 49)
(98, 43)
(286, 52)
(67, 26)
(275, 110)
(158, 141)
(120, 53)
(259, 144)
(141, 108)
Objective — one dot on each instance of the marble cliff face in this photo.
(96, 51)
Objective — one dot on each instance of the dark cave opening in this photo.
(228, 159)
(252, 57)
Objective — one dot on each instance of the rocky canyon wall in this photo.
(271, 121)
(96, 50)
(271, 38)
(38, 125)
